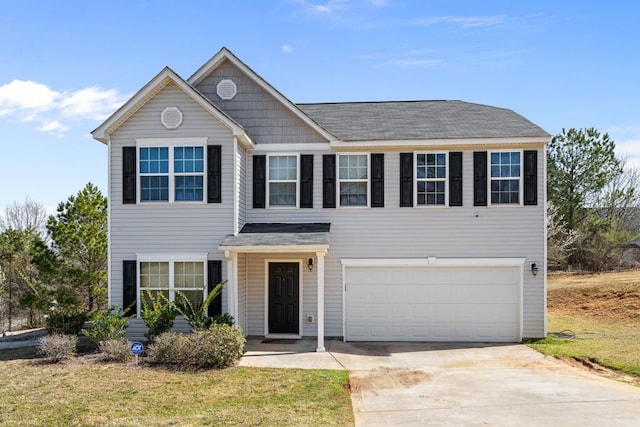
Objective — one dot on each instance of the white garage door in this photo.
(433, 302)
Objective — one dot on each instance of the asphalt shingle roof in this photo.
(401, 120)
(280, 234)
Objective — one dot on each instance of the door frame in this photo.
(300, 263)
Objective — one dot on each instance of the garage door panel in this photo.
(432, 304)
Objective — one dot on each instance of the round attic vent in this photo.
(171, 117)
(226, 89)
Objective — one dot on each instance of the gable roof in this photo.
(225, 54)
(103, 132)
(409, 120)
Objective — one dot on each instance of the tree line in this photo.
(53, 262)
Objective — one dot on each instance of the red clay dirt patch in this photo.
(611, 296)
(384, 378)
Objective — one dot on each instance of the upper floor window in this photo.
(171, 173)
(431, 179)
(505, 173)
(353, 179)
(283, 180)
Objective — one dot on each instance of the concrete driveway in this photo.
(478, 385)
(417, 384)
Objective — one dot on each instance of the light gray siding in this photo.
(167, 228)
(394, 232)
(265, 119)
(241, 186)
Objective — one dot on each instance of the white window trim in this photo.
(268, 201)
(171, 143)
(171, 259)
(520, 179)
(416, 179)
(301, 265)
(339, 181)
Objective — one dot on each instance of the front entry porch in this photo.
(276, 265)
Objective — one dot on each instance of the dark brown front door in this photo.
(284, 291)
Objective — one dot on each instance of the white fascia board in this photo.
(103, 132)
(224, 53)
(433, 262)
(337, 144)
(275, 249)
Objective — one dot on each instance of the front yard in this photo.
(603, 311)
(83, 392)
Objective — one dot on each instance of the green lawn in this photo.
(86, 393)
(604, 313)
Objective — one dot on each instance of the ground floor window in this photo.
(167, 277)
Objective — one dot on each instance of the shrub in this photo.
(218, 347)
(58, 347)
(107, 325)
(196, 313)
(158, 314)
(115, 349)
(226, 319)
(66, 323)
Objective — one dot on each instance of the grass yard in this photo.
(83, 392)
(604, 313)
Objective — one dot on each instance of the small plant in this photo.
(65, 322)
(196, 313)
(107, 325)
(115, 350)
(223, 319)
(58, 347)
(219, 347)
(158, 314)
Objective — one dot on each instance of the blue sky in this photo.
(65, 66)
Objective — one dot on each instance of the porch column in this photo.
(320, 271)
(232, 284)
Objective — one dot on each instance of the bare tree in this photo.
(29, 215)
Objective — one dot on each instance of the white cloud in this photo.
(420, 63)
(30, 101)
(20, 94)
(464, 21)
(92, 103)
(286, 48)
(378, 3)
(54, 128)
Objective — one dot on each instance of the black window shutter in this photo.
(480, 178)
(259, 177)
(377, 180)
(406, 180)
(129, 285)
(531, 177)
(455, 179)
(214, 174)
(129, 175)
(329, 181)
(214, 276)
(306, 180)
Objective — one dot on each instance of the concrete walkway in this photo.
(461, 384)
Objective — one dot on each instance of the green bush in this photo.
(65, 323)
(107, 325)
(115, 350)
(226, 319)
(219, 347)
(196, 313)
(57, 347)
(158, 314)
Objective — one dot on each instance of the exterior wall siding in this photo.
(394, 232)
(264, 118)
(167, 227)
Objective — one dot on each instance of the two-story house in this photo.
(375, 221)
